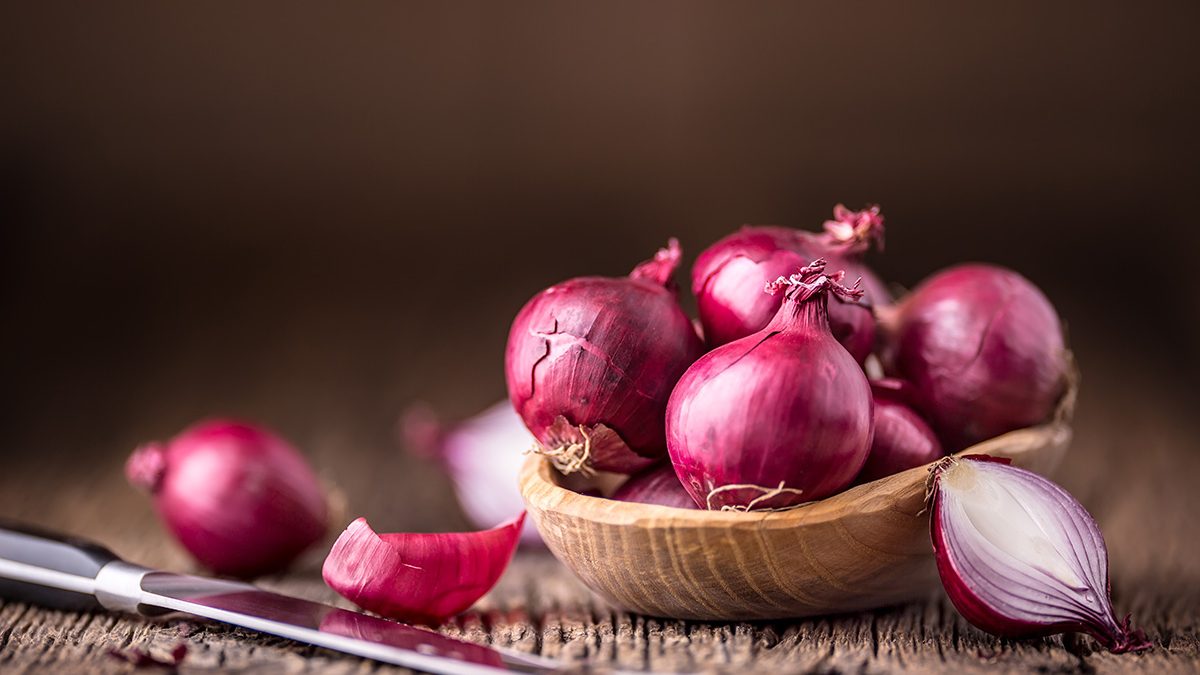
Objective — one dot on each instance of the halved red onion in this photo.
(482, 458)
(658, 485)
(728, 276)
(419, 578)
(1019, 556)
(591, 361)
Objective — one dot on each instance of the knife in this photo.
(63, 572)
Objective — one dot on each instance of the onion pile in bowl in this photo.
(815, 379)
(775, 408)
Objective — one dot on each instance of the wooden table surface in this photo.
(1129, 464)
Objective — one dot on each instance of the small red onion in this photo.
(984, 349)
(1019, 556)
(728, 277)
(591, 362)
(658, 485)
(776, 418)
(419, 578)
(480, 456)
(903, 439)
(238, 497)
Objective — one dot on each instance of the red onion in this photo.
(419, 578)
(480, 456)
(728, 277)
(984, 349)
(659, 485)
(238, 497)
(591, 362)
(1019, 556)
(902, 439)
(776, 418)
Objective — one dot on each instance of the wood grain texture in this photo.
(864, 548)
(1125, 464)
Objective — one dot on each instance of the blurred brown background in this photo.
(315, 215)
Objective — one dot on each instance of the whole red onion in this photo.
(591, 362)
(658, 485)
(238, 497)
(984, 349)
(478, 455)
(776, 418)
(728, 277)
(902, 439)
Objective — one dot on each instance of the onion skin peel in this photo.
(1019, 557)
(417, 577)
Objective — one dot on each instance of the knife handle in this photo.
(50, 569)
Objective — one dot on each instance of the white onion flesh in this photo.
(1019, 556)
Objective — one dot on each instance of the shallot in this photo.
(238, 497)
(480, 456)
(903, 439)
(984, 349)
(1019, 556)
(591, 362)
(419, 578)
(779, 417)
(728, 277)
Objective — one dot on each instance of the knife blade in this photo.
(59, 571)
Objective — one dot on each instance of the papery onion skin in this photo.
(984, 349)
(591, 362)
(728, 277)
(417, 577)
(999, 590)
(902, 439)
(776, 418)
(237, 496)
(481, 456)
(658, 485)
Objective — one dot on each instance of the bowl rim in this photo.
(541, 489)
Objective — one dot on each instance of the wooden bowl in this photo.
(864, 548)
